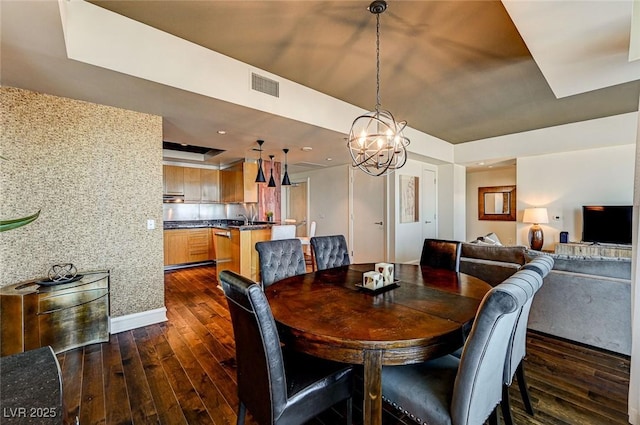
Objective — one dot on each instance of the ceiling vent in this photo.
(265, 85)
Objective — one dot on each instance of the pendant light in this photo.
(285, 179)
(272, 182)
(260, 177)
(376, 141)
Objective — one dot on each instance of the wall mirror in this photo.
(497, 203)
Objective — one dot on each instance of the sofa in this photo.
(585, 299)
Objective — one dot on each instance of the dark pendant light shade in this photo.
(285, 179)
(260, 177)
(272, 182)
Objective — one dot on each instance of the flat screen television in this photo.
(607, 224)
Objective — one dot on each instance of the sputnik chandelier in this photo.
(376, 140)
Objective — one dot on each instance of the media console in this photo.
(593, 249)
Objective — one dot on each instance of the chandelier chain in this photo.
(378, 62)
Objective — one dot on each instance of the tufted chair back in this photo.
(280, 259)
(330, 251)
(441, 254)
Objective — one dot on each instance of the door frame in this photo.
(385, 214)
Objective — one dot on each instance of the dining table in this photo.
(425, 313)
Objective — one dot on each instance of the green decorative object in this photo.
(17, 222)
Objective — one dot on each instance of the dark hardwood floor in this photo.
(182, 371)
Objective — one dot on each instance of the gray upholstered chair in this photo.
(280, 259)
(540, 266)
(277, 386)
(330, 251)
(442, 254)
(464, 391)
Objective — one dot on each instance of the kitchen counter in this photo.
(217, 224)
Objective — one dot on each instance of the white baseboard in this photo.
(137, 320)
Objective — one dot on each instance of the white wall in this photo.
(563, 182)
(329, 199)
(406, 238)
(451, 201)
(506, 230)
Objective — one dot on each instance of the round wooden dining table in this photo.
(424, 315)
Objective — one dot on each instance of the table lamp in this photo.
(535, 216)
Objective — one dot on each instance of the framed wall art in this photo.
(409, 193)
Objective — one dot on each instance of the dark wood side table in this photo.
(63, 316)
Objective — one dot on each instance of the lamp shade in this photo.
(535, 215)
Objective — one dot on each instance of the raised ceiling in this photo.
(456, 70)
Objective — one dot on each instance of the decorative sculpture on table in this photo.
(62, 272)
(386, 270)
(372, 280)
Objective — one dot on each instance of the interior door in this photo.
(367, 218)
(297, 206)
(429, 205)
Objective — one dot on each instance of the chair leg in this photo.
(493, 417)
(505, 405)
(524, 391)
(242, 412)
(349, 411)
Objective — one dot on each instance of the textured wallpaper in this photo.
(95, 172)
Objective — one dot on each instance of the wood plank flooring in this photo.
(182, 372)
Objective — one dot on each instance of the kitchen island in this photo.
(230, 243)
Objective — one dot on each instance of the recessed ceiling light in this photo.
(183, 144)
(329, 159)
(307, 149)
(480, 163)
(222, 132)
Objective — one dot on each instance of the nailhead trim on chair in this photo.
(402, 410)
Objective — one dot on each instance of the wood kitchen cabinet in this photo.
(173, 180)
(238, 183)
(187, 246)
(210, 185)
(195, 184)
(192, 185)
(65, 316)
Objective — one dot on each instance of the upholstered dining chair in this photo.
(441, 254)
(330, 251)
(514, 366)
(283, 231)
(278, 387)
(280, 259)
(466, 390)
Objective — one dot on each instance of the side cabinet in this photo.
(65, 316)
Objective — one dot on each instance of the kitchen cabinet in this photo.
(192, 188)
(173, 180)
(238, 183)
(210, 185)
(64, 316)
(196, 185)
(187, 246)
(235, 250)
